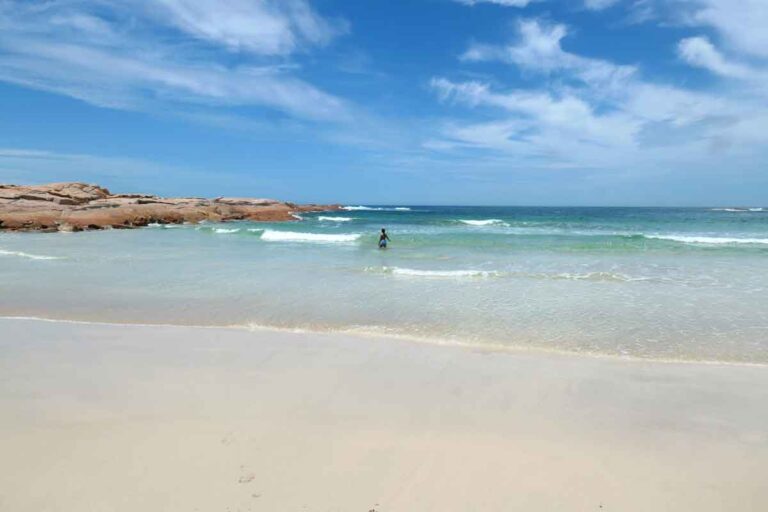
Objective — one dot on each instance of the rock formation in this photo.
(79, 206)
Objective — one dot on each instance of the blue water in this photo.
(661, 283)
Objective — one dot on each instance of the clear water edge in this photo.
(664, 284)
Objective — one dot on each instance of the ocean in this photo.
(676, 284)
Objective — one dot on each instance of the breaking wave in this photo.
(597, 276)
(20, 254)
(484, 222)
(709, 240)
(323, 218)
(590, 276)
(738, 210)
(376, 209)
(432, 273)
(294, 236)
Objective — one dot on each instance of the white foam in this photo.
(334, 219)
(255, 230)
(28, 256)
(484, 222)
(163, 226)
(738, 210)
(226, 230)
(293, 236)
(433, 273)
(470, 273)
(715, 240)
(593, 276)
(376, 209)
(297, 217)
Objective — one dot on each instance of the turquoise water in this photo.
(679, 284)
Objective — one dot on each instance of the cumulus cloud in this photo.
(700, 52)
(136, 54)
(741, 24)
(577, 111)
(538, 49)
(740, 51)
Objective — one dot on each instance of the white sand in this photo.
(115, 418)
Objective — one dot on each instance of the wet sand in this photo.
(128, 418)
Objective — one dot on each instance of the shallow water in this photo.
(682, 284)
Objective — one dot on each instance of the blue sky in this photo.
(582, 102)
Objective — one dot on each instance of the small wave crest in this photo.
(20, 254)
(596, 276)
(432, 273)
(483, 222)
(591, 276)
(270, 235)
(325, 218)
(376, 208)
(738, 210)
(164, 226)
(708, 240)
(226, 231)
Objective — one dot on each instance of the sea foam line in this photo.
(376, 209)
(375, 332)
(738, 210)
(270, 235)
(712, 240)
(483, 222)
(432, 273)
(596, 276)
(322, 218)
(29, 256)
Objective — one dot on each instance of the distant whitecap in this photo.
(294, 236)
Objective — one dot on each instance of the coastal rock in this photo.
(80, 206)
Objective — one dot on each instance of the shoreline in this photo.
(417, 340)
(124, 418)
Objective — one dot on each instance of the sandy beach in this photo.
(124, 418)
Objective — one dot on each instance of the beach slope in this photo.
(152, 418)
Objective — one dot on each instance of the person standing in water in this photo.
(383, 239)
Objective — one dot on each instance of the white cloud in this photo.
(699, 51)
(539, 123)
(505, 3)
(120, 54)
(594, 5)
(539, 49)
(597, 5)
(739, 52)
(585, 112)
(739, 25)
(742, 24)
(264, 27)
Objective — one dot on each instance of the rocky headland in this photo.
(79, 206)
